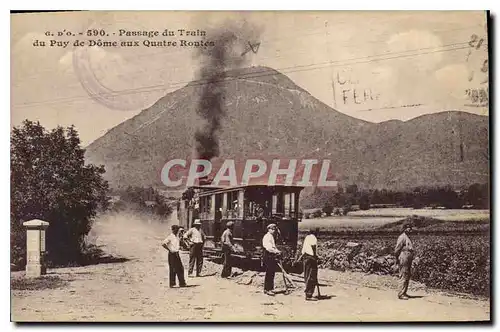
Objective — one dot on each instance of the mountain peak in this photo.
(265, 113)
(259, 74)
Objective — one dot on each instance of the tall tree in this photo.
(50, 181)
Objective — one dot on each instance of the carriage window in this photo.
(275, 203)
(257, 202)
(232, 200)
(278, 203)
(290, 205)
(205, 205)
(232, 204)
(281, 206)
(218, 207)
(287, 204)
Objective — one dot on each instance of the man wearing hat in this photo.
(404, 257)
(227, 248)
(196, 239)
(269, 258)
(171, 243)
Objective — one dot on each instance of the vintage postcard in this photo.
(277, 166)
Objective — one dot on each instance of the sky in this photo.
(375, 66)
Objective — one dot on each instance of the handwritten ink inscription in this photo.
(478, 96)
(352, 92)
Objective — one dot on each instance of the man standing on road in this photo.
(310, 264)
(270, 256)
(227, 249)
(171, 243)
(196, 239)
(404, 257)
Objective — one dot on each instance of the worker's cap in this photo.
(230, 224)
(271, 226)
(197, 222)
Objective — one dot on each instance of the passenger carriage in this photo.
(251, 208)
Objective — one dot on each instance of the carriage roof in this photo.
(209, 190)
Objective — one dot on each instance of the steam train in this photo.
(251, 208)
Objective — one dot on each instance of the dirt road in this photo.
(137, 290)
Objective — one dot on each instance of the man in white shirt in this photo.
(404, 257)
(310, 264)
(269, 258)
(196, 239)
(172, 244)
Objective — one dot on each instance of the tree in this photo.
(478, 195)
(328, 208)
(50, 181)
(364, 202)
(352, 189)
(140, 199)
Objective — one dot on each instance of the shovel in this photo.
(286, 278)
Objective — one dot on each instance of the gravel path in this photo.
(137, 290)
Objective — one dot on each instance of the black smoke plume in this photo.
(216, 61)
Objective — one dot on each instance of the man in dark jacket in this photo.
(227, 249)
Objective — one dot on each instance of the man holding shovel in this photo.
(270, 257)
(310, 259)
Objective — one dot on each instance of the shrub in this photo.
(316, 214)
(346, 209)
(364, 202)
(455, 262)
(40, 283)
(50, 181)
(147, 200)
(328, 209)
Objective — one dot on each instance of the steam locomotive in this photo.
(251, 208)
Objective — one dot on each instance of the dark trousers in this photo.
(175, 269)
(269, 261)
(405, 261)
(310, 274)
(227, 267)
(196, 255)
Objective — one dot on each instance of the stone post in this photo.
(35, 247)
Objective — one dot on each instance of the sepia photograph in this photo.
(250, 166)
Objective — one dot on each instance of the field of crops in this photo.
(450, 255)
(443, 214)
